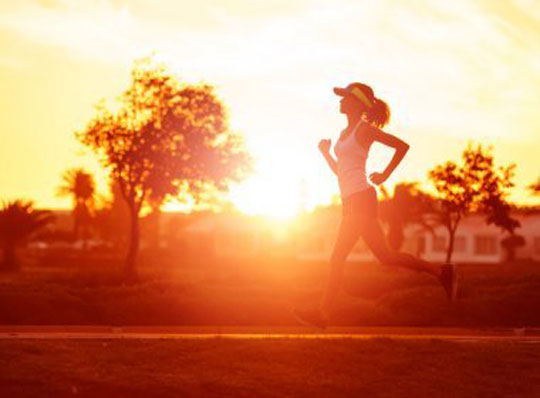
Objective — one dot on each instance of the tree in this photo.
(156, 198)
(510, 244)
(166, 136)
(534, 188)
(475, 185)
(499, 214)
(408, 205)
(19, 221)
(80, 186)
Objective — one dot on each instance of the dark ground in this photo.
(261, 292)
(222, 367)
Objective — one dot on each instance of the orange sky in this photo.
(451, 71)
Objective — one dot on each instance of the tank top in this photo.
(351, 164)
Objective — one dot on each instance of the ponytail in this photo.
(379, 113)
(373, 109)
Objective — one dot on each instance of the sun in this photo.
(274, 196)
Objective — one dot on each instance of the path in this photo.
(531, 335)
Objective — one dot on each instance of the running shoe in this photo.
(310, 318)
(448, 279)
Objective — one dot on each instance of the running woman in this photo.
(366, 116)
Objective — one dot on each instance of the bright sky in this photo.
(450, 70)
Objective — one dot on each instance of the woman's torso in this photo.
(352, 151)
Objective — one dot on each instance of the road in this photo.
(529, 335)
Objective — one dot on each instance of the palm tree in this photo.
(80, 185)
(18, 222)
(534, 188)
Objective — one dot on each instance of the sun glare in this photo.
(271, 196)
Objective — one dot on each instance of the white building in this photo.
(312, 236)
(474, 241)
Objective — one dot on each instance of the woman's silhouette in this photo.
(366, 115)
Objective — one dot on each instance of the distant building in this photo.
(475, 241)
(311, 237)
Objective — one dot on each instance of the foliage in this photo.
(534, 188)
(475, 185)
(80, 186)
(167, 138)
(18, 222)
(511, 243)
(498, 213)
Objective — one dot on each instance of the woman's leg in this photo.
(348, 234)
(375, 239)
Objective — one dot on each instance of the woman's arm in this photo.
(401, 148)
(324, 147)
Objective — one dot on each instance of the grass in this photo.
(223, 367)
(261, 292)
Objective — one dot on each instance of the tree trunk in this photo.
(158, 228)
(76, 220)
(130, 270)
(76, 228)
(452, 232)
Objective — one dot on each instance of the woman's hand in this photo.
(378, 178)
(324, 146)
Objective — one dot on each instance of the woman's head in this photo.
(359, 99)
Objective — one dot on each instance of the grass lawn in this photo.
(262, 292)
(224, 367)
